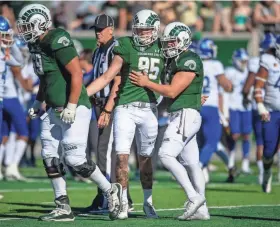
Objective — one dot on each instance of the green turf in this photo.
(27, 201)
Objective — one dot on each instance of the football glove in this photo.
(69, 113)
(34, 110)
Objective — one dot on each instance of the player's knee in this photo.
(246, 137)
(85, 169)
(54, 168)
(235, 137)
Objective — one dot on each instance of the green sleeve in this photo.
(121, 48)
(190, 63)
(65, 55)
(60, 40)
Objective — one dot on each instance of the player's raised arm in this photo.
(225, 83)
(107, 77)
(261, 78)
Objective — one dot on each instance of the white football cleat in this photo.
(124, 212)
(267, 180)
(260, 178)
(12, 173)
(149, 210)
(1, 196)
(201, 214)
(192, 207)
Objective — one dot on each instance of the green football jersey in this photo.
(187, 61)
(149, 59)
(49, 56)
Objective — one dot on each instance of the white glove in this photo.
(263, 112)
(68, 114)
(34, 109)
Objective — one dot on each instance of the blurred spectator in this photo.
(7, 11)
(59, 17)
(134, 7)
(241, 16)
(210, 14)
(188, 12)
(237, 18)
(117, 10)
(166, 11)
(267, 16)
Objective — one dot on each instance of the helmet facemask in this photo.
(7, 39)
(173, 46)
(144, 35)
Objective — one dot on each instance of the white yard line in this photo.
(8, 219)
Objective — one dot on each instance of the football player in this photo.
(240, 120)
(6, 59)
(268, 82)
(213, 78)
(184, 72)
(267, 46)
(136, 111)
(67, 119)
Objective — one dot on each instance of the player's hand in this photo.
(204, 99)
(139, 78)
(68, 114)
(265, 116)
(104, 119)
(34, 110)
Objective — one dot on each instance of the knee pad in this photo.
(54, 167)
(86, 169)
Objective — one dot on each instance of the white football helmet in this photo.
(33, 21)
(177, 33)
(145, 19)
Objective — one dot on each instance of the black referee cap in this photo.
(103, 21)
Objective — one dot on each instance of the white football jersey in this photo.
(212, 69)
(272, 86)
(2, 74)
(253, 67)
(238, 80)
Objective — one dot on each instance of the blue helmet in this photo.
(240, 59)
(268, 42)
(6, 33)
(193, 46)
(207, 48)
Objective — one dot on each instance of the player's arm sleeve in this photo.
(121, 49)
(253, 66)
(65, 55)
(16, 53)
(13, 62)
(219, 69)
(266, 60)
(190, 65)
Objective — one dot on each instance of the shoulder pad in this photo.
(60, 39)
(267, 61)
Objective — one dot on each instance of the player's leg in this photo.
(278, 162)
(34, 131)
(212, 130)
(172, 145)
(124, 131)
(51, 134)
(146, 134)
(15, 110)
(1, 147)
(235, 128)
(257, 127)
(271, 137)
(74, 144)
(246, 129)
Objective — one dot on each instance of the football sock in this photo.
(20, 149)
(100, 180)
(260, 166)
(2, 149)
(231, 160)
(222, 154)
(124, 196)
(10, 148)
(148, 196)
(246, 148)
(197, 178)
(180, 173)
(59, 186)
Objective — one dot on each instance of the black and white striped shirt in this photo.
(101, 60)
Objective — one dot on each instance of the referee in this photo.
(103, 102)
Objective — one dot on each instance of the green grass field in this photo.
(240, 204)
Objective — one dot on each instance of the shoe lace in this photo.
(187, 205)
(112, 200)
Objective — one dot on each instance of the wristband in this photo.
(106, 111)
